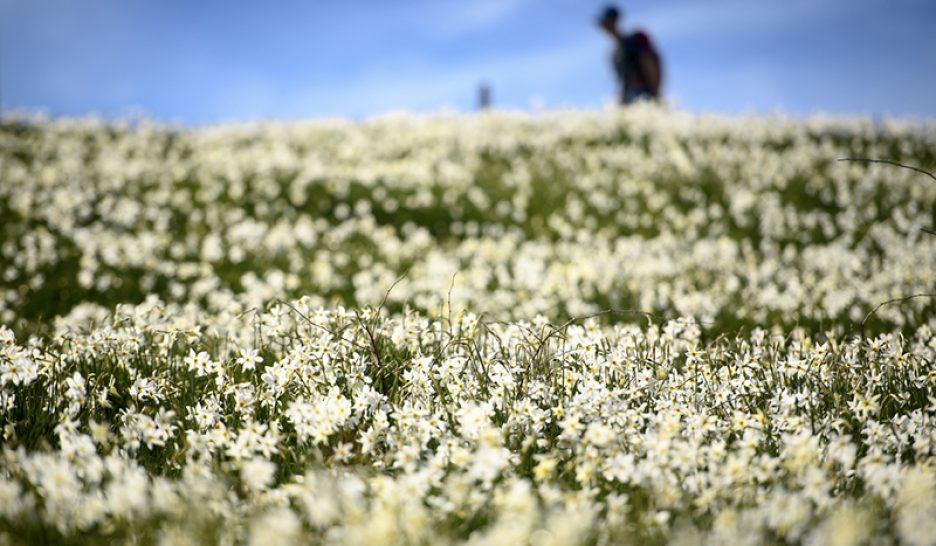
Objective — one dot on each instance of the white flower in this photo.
(278, 527)
(257, 474)
(249, 358)
(598, 434)
(846, 526)
(19, 370)
(11, 500)
(488, 462)
(621, 468)
(472, 420)
(200, 363)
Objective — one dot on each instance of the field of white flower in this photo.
(639, 327)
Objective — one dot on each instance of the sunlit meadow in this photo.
(617, 327)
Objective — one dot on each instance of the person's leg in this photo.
(636, 94)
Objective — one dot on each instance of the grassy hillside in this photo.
(602, 328)
(735, 222)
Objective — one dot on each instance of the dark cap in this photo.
(610, 13)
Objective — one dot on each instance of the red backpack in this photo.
(646, 44)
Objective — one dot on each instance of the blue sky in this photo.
(203, 61)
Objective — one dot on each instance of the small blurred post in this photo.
(484, 96)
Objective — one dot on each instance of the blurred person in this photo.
(635, 60)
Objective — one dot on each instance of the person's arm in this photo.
(650, 72)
